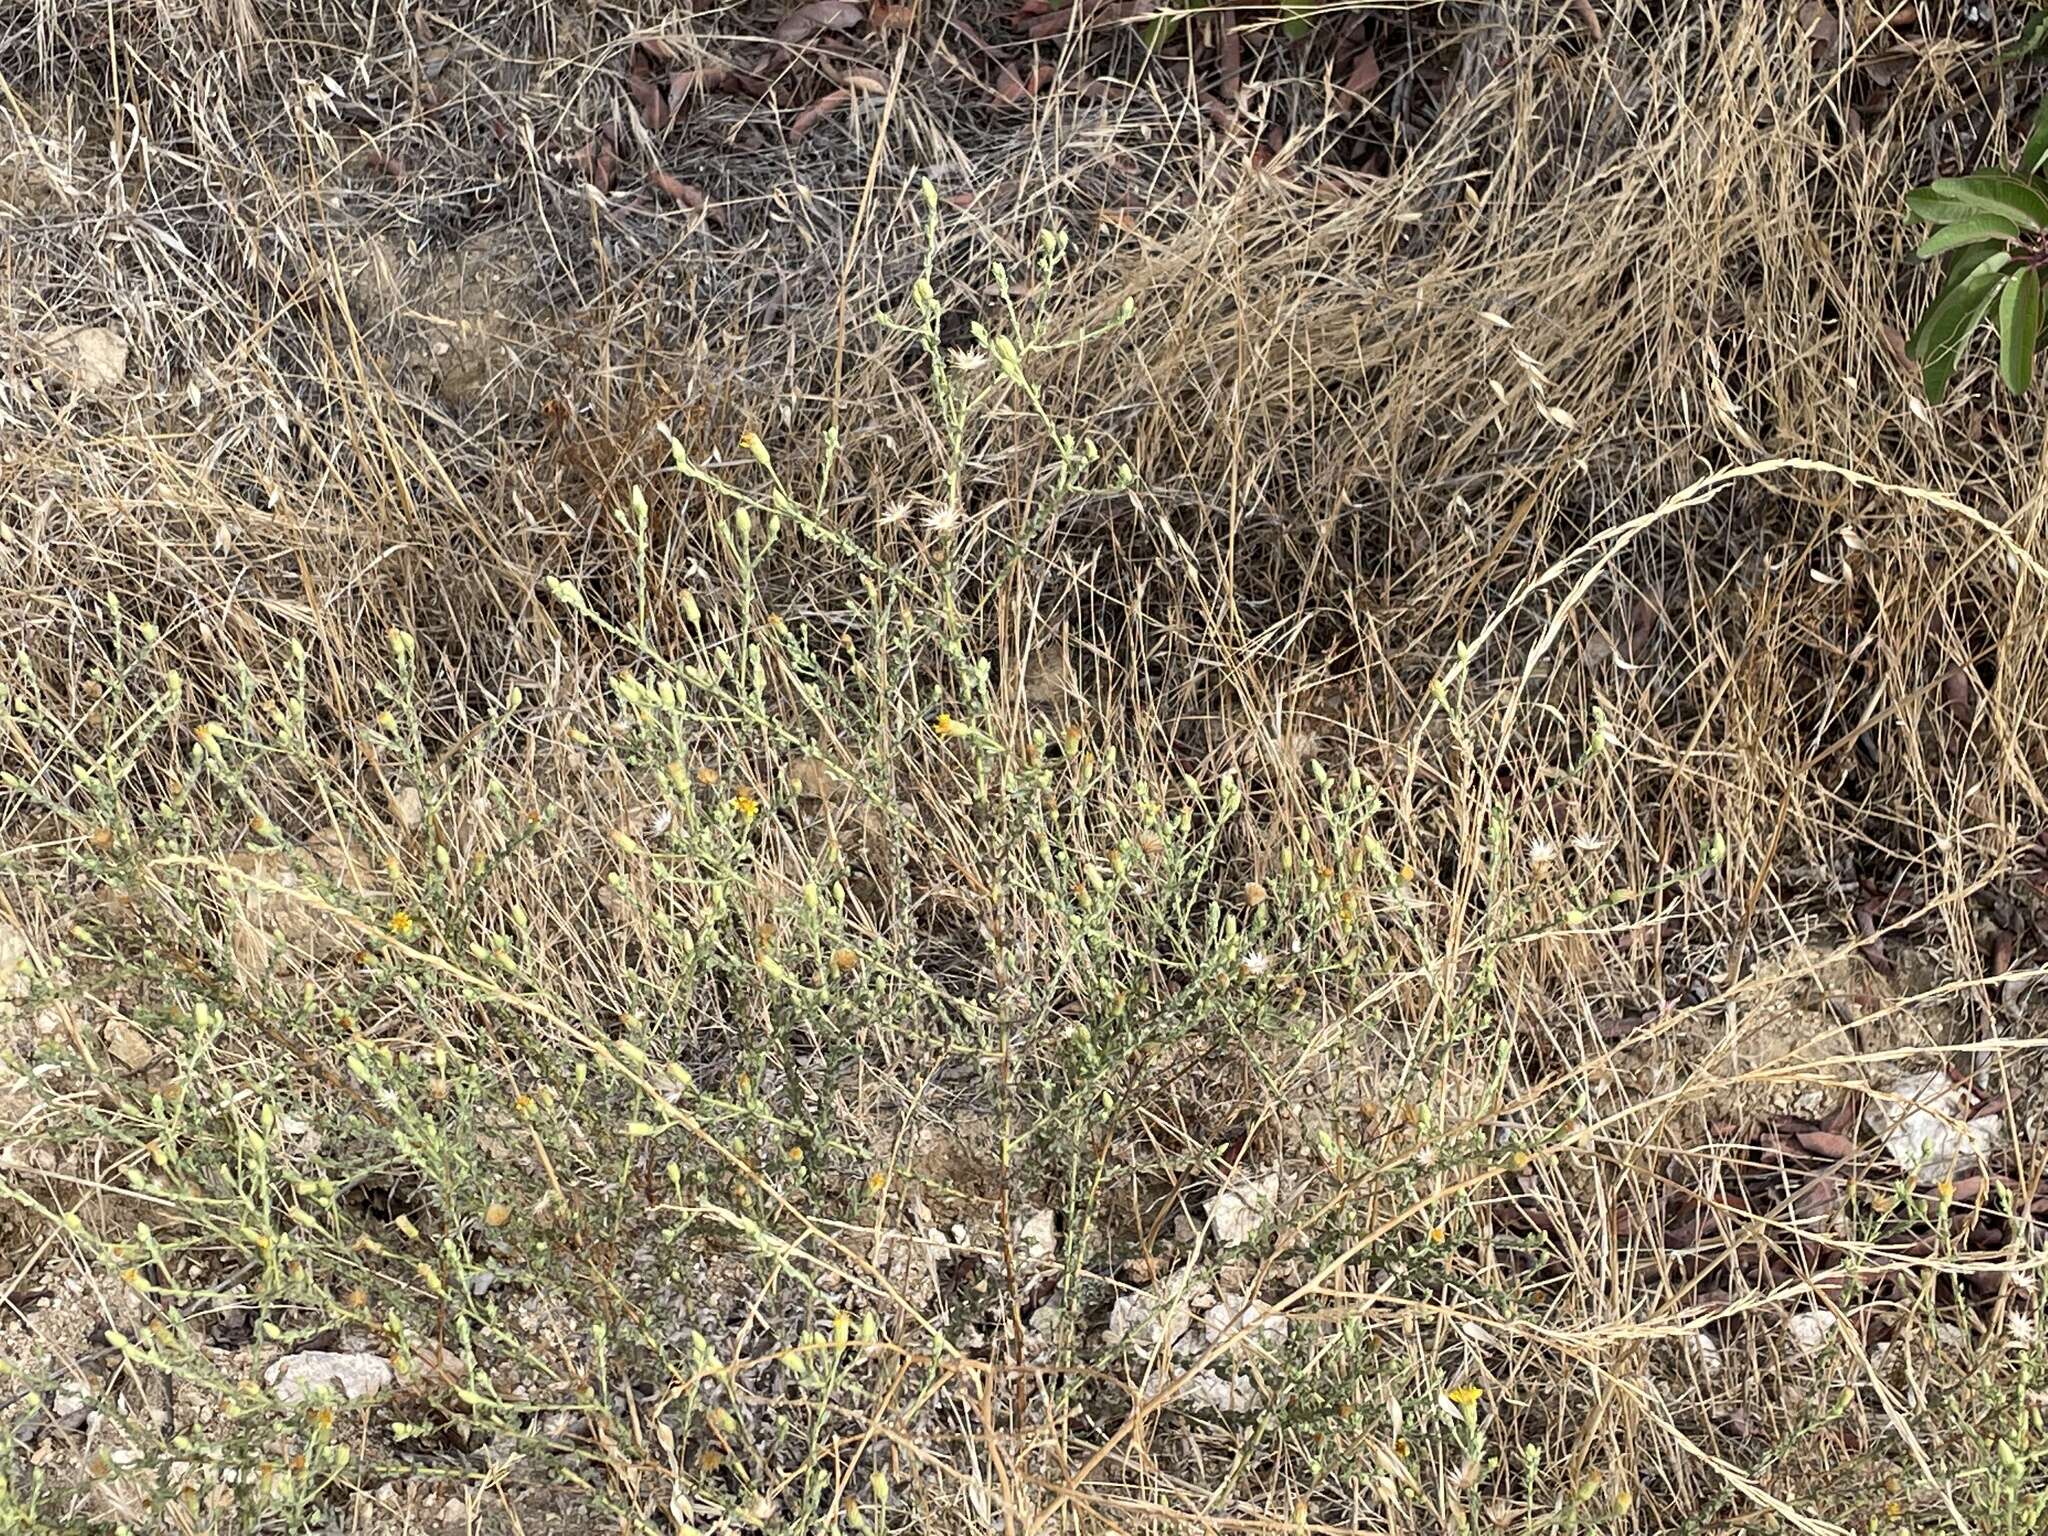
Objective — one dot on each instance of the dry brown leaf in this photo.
(807, 21)
(432, 1369)
(1031, 84)
(864, 80)
(89, 358)
(816, 112)
(1365, 72)
(650, 101)
(1821, 25)
(1826, 1144)
(598, 161)
(683, 82)
(675, 189)
(815, 779)
(892, 18)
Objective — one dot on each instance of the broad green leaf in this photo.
(1964, 258)
(2019, 322)
(1967, 232)
(2035, 154)
(1941, 347)
(2001, 193)
(1936, 208)
(1300, 18)
(1958, 307)
(1935, 372)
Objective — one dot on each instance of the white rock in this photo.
(1234, 1394)
(88, 358)
(1037, 1235)
(1245, 1320)
(1148, 1320)
(1705, 1353)
(1923, 1120)
(15, 962)
(1809, 1331)
(127, 1044)
(1163, 1315)
(1243, 1205)
(407, 809)
(299, 1378)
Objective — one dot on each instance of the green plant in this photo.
(2032, 37)
(1992, 228)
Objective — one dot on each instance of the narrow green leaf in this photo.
(1967, 232)
(2019, 322)
(2035, 153)
(1159, 31)
(2001, 193)
(2033, 33)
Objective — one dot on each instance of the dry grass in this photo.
(1440, 848)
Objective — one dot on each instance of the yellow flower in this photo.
(946, 725)
(752, 444)
(845, 961)
(402, 924)
(745, 803)
(1466, 1400)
